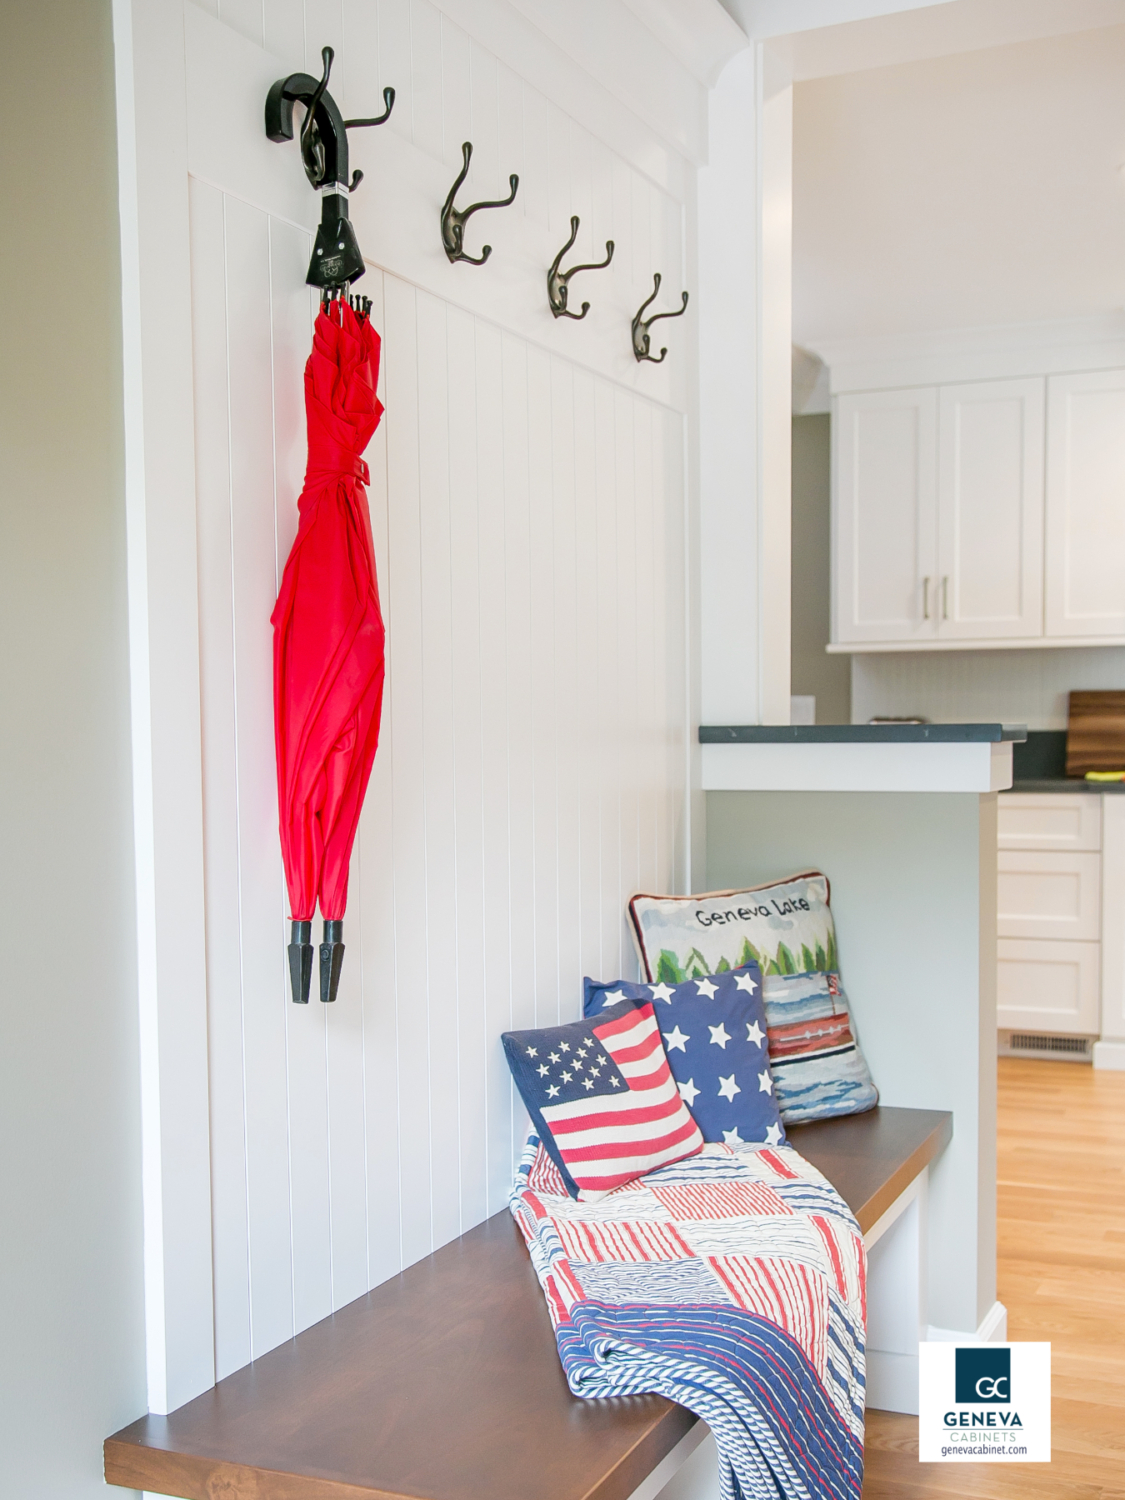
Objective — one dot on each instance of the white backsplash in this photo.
(1015, 687)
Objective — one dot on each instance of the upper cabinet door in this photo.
(1086, 504)
(990, 510)
(885, 531)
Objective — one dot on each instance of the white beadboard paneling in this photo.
(403, 597)
(395, 62)
(590, 727)
(527, 503)
(264, 1018)
(230, 1230)
(376, 916)
(438, 759)
(467, 830)
(426, 76)
(545, 707)
(457, 103)
(243, 16)
(284, 26)
(567, 693)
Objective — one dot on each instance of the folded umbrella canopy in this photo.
(328, 643)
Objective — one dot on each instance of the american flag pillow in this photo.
(715, 1037)
(602, 1098)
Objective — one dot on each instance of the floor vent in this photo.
(1069, 1046)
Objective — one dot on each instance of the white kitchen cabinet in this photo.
(938, 514)
(1044, 986)
(990, 510)
(1060, 878)
(1085, 531)
(1048, 894)
(1111, 1052)
(884, 513)
(1061, 821)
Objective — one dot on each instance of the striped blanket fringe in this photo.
(732, 1282)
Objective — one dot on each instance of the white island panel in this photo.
(831, 766)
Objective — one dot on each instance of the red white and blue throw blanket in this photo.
(733, 1282)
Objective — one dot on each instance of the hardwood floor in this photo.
(1061, 1275)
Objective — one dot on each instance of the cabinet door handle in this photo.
(925, 598)
(945, 597)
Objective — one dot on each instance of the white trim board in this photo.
(1110, 1056)
(1038, 643)
(1003, 352)
(993, 1329)
(967, 766)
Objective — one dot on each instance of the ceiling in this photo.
(959, 191)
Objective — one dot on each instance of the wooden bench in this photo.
(445, 1384)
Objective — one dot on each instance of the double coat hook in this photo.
(641, 327)
(558, 281)
(453, 220)
(336, 258)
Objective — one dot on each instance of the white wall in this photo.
(955, 192)
(532, 498)
(72, 1359)
(958, 687)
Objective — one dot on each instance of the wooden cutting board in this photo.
(1095, 733)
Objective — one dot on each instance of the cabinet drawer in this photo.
(1046, 986)
(1044, 895)
(1051, 820)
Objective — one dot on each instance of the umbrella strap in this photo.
(336, 465)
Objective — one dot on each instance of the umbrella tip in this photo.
(331, 959)
(300, 961)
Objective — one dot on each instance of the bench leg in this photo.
(896, 1301)
(690, 1472)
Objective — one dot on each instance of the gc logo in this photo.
(989, 1390)
(983, 1376)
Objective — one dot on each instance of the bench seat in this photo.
(445, 1384)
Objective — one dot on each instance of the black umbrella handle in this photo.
(300, 961)
(336, 258)
(331, 960)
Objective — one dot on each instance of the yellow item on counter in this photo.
(1105, 775)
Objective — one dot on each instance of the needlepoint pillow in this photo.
(785, 927)
(602, 1099)
(817, 1066)
(714, 1032)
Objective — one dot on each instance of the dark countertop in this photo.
(857, 734)
(1067, 784)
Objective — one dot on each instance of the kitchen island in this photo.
(902, 819)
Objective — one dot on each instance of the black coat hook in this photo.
(336, 258)
(557, 282)
(453, 220)
(640, 329)
(388, 100)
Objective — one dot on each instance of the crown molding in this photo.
(998, 352)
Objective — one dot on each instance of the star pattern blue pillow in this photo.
(714, 1033)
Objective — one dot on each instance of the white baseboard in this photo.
(892, 1382)
(1110, 1055)
(993, 1330)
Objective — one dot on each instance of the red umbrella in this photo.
(328, 658)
